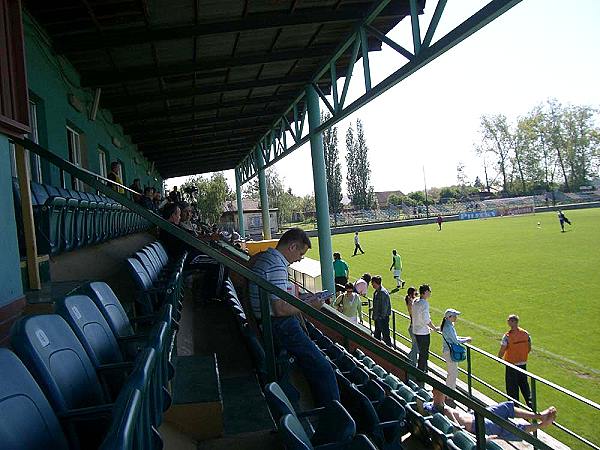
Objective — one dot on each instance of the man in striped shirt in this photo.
(272, 265)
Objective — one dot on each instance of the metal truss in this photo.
(286, 134)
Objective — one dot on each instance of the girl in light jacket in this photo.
(450, 337)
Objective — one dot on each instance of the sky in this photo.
(429, 122)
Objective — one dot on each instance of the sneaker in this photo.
(403, 283)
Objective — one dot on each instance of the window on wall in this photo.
(74, 143)
(33, 161)
(102, 163)
(35, 169)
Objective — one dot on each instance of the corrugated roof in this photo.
(196, 83)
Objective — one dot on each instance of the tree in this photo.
(210, 196)
(497, 140)
(358, 176)
(333, 170)
(279, 197)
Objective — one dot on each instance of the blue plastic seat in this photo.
(110, 307)
(28, 421)
(122, 434)
(99, 341)
(384, 422)
(58, 361)
(48, 213)
(440, 430)
(334, 424)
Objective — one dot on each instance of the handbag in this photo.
(458, 352)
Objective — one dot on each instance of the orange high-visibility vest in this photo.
(518, 346)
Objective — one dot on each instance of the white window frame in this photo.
(102, 163)
(34, 136)
(74, 145)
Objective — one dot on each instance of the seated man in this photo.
(505, 410)
(173, 245)
(272, 265)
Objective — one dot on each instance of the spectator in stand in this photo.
(186, 219)
(349, 304)
(505, 410)
(137, 188)
(175, 195)
(147, 200)
(411, 295)
(421, 324)
(272, 265)
(439, 221)
(159, 203)
(114, 175)
(362, 284)
(450, 337)
(515, 348)
(397, 266)
(173, 246)
(340, 271)
(382, 309)
(357, 244)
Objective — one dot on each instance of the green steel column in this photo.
(240, 205)
(320, 181)
(264, 198)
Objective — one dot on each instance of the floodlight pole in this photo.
(264, 198)
(320, 183)
(240, 204)
(426, 201)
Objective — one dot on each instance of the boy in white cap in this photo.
(450, 337)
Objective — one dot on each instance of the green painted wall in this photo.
(51, 80)
(10, 274)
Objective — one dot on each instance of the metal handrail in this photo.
(348, 332)
(471, 376)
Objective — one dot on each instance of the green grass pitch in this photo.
(488, 269)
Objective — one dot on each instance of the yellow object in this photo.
(255, 247)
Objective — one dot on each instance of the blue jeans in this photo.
(288, 334)
(414, 347)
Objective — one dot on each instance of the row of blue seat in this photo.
(362, 380)
(66, 219)
(87, 369)
(158, 280)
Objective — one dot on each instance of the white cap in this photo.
(451, 312)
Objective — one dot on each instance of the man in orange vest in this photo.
(515, 347)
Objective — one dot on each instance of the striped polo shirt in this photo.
(273, 267)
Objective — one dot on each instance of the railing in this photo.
(348, 332)
(471, 377)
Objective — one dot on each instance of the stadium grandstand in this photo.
(114, 339)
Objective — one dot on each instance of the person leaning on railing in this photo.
(421, 324)
(272, 265)
(450, 337)
(515, 348)
(411, 296)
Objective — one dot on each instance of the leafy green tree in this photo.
(496, 139)
(210, 196)
(333, 169)
(359, 173)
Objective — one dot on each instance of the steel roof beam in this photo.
(191, 139)
(81, 42)
(157, 152)
(198, 123)
(149, 137)
(152, 114)
(137, 73)
(186, 92)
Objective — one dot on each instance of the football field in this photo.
(488, 269)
